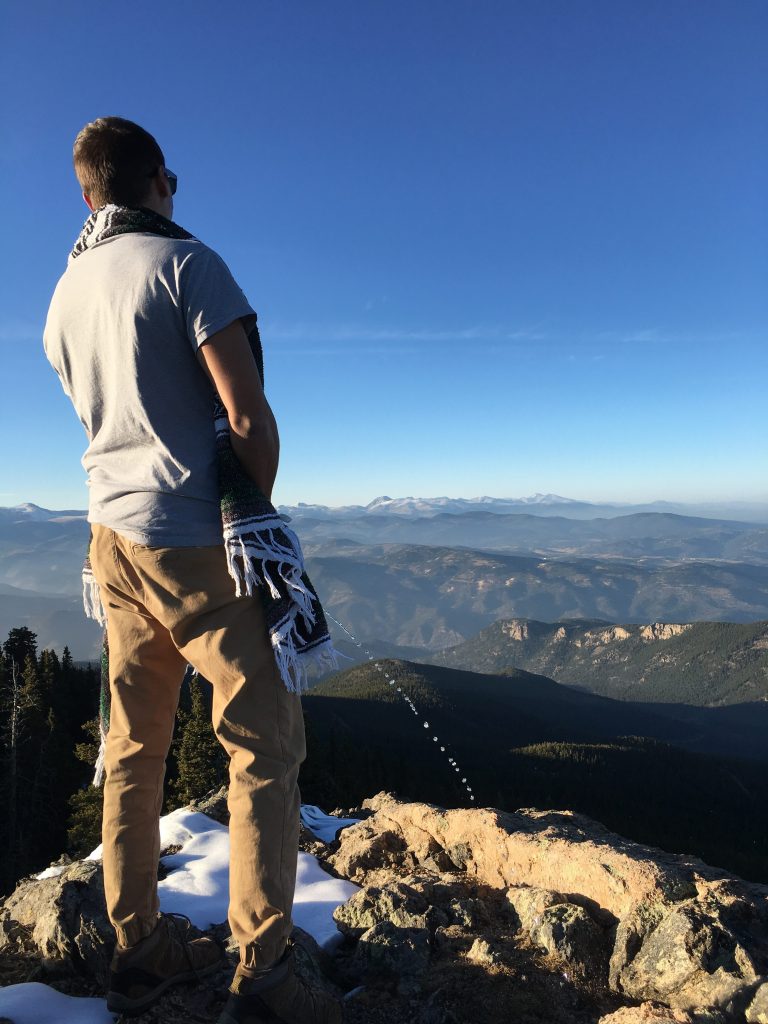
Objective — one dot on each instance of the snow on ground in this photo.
(197, 885)
(33, 1003)
(317, 896)
(50, 872)
(324, 826)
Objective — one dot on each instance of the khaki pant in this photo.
(167, 607)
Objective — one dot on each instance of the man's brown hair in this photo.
(114, 160)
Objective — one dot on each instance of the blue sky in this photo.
(495, 247)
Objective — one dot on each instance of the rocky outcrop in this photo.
(517, 629)
(655, 927)
(479, 916)
(607, 636)
(61, 919)
(757, 1011)
(664, 630)
(651, 1013)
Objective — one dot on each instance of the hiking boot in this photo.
(140, 974)
(278, 997)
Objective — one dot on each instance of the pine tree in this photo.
(33, 817)
(20, 645)
(50, 676)
(86, 809)
(12, 708)
(22, 721)
(86, 804)
(201, 760)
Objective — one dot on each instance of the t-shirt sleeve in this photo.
(210, 298)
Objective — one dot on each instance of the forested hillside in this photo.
(522, 740)
(704, 663)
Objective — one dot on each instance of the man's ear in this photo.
(88, 202)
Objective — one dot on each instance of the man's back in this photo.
(123, 328)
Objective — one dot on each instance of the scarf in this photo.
(264, 556)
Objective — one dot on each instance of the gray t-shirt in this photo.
(123, 328)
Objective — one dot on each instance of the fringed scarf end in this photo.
(248, 547)
(98, 774)
(92, 605)
(291, 668)
(294, 662)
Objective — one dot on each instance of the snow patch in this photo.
(52, 872)
(197, 885)
(324, 826)
(35, 1003)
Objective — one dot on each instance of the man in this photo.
(144, 324)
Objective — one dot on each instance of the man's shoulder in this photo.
(175, 248)
(141, 253)
(146, 243)
(184, 252)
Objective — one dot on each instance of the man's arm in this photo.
(227, 359)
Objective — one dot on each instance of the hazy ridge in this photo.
(431, 578)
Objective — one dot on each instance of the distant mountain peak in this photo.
(410, 505)
(29, 511)
(549, 499)
(29, 506)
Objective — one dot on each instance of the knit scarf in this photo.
(264, 556)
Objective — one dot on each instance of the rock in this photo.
(401, 954)
(64, 919)
(569, 931)
(468, 912)
(482, 952)
(459, 854)
(395, 902)
(560, 927)
(445, 939)
(663, 630)
(438, 861)
(214, 804)
(649, 1013)
(682, 932)
(351, 812)
(529, 902)
(692, 954)
(557, 850)
(364, 848)
(757, 1011)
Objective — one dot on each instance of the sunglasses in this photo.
(173, 180)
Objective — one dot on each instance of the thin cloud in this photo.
(418, 335)
(321, 350)
(662, 336)
(19, 330)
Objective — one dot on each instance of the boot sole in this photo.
(117, 1003)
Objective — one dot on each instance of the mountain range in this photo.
(432, 597)
(430, 579)
(539, 504)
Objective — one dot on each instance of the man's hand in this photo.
(228, 361)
